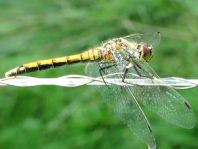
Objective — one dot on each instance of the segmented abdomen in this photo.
(89, 55)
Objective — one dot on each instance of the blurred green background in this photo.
(48, 117)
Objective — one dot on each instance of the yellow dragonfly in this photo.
(128, 55)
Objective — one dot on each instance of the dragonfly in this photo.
(129, 56)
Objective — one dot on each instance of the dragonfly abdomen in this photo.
(89, 55)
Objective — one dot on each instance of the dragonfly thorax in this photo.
(114, 45)
(142, 50)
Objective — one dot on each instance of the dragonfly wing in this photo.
(152, 38)
(165, 101)
(125, 106)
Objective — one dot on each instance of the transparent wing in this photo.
(164, 101)
(124, 105)
(152, 38)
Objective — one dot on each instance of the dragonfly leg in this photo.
(146, 72)
(102, 68)
(129, 65)
(137, 71)
(137, 66)
(126, 71)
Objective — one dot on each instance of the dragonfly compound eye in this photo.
(145, 51)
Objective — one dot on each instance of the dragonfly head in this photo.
(145, 51)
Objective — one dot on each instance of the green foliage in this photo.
(56, 118)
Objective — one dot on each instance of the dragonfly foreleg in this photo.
(138, 66)
(126, 70)
(129, 65)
